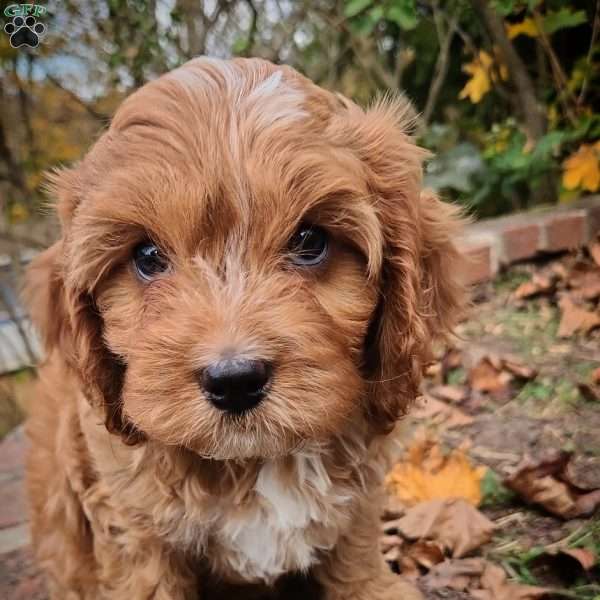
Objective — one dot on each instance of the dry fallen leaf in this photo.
(544, 482)
(450, 393)
(458, 574)
(481, 579)
(590, 392)
(596, 375)
(518, 369)
(585, 557)
(594, 249)
(427, 474)
(426, 553)
(584, 280)
(538, 284)
(494, 586)
(486, 376)
(456, 524)
(574, 318)
(440, 414)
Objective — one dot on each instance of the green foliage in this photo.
(441, 53)
(565, 17)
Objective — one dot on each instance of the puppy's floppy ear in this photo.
(421, 295)
(69, 322)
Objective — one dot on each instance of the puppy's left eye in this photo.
(309, 245)
(149, 261)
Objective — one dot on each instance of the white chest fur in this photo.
(293, 514)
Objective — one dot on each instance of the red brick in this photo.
(13, 507)
(520, 241)
(593, 218)
(565, 231)
(480, 267)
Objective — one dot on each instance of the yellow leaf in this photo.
(482, 75)
(525, 27)
(426, 474)
(582, 169)
(480, 83)
(18, 213)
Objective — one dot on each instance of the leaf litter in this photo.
(467, 519)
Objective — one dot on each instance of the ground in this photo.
(510, 389)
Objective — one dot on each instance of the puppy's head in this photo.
(247, 262)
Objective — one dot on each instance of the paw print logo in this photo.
(25, 31)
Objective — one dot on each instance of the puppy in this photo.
(241, 305)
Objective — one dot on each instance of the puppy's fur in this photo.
(139, 487)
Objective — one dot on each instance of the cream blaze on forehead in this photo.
(257, 96)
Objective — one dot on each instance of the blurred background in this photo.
(507, 91)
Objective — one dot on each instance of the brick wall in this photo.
(494, 243)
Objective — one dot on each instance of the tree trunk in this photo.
(534, 120)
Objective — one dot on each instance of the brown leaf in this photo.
(574, 318)
(450, 393)
(590, 392)
(456, 524)
(584, 280)
(594, 249)
(440, 413)
(596, 375)
(518, 369)
(486, 376)
(544, 482)
(458, 574)
(586, 504)
(494, 586)
(536, 286)
(426, 553)
(585, 557)
(481, 579)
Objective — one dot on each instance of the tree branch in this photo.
(588, 60)
(534, 119)
(442, 62)
(88, 107)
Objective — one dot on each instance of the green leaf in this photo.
(240, 45)
(354, 7)
(546, 146)
(531, 4)
(504, 7)
(403, 13)
(563, 18)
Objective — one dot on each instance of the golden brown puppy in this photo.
(241, 305)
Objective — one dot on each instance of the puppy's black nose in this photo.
(236, 384)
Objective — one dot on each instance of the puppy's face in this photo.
(229, 247)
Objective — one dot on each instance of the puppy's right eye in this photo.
(149, 261)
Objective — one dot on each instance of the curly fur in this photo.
(139, 487)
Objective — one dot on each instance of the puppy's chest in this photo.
(286, 520)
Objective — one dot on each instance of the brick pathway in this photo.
(19, 578)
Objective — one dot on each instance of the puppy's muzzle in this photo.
(234, 384)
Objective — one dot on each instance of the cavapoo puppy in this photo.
(241, 305)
